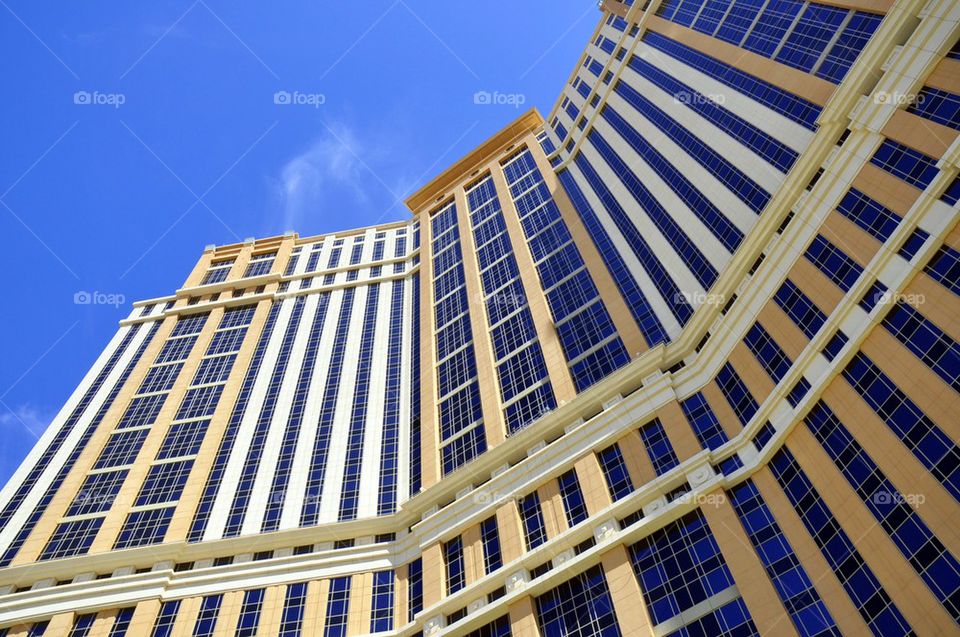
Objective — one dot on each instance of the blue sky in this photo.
(136, 133)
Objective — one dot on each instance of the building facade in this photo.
(680, 359)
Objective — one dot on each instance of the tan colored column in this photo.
(551, 504)
(434, 575)
(486, 371)
(272, 611)
(228, 616)
(60, 624)
(783, 330)
(103, 623)
(596, 495)
(636, 458)
(197, 481)
(678, 430)
(429, 432)
(186, 617)
(628, 602)
(315, 613)
(547, 335)
(358, 611)
(74, 480)
(472, 554)
(890, 191)
(939, 510)
(818, 570)
(512, 545)
(758, 593)
(818, 288)
(919, 607)
(938, 306)
(758, 382)
(523, 619)
(857, 244)
(934, 141)
(144, 617)
(945, 76)
(619, 312)
(721, 409)
(400, 596)
(114, 520)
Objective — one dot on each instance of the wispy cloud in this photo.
(338, 159)
(28, 417)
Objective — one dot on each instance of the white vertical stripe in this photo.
(714, 251)
(238, 455)
(766, 119)
(373, 427)
(765, 174)
(663, 251)
(253, 517)
(333, 480)
(303, 456)
(55, 465)
(650, 291)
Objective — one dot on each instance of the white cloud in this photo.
(24, 417)
(333, 161)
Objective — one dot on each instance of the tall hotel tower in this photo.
(681, 359)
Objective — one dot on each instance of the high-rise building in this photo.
(680, 360)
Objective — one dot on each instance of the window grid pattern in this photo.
(935, 565)
(768, 148)
(294, 609)
(700, 150)
(786, 573)
(926, 341)
(790, 106)
(814, 38)
(658, 273)
(873, 603)
(390, 443)
(521, 368)
(310, 512)
(643, 314)
(615, 472)
(581, 606)
(17, 498)
(350, 487)
(925, 440)
(658, 447)
(587, 333)
(460, 415)
(215, 477)
(381, 612)
(679, 566)
(574, 504)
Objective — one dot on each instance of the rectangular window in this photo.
(615, 472)
(338, 604)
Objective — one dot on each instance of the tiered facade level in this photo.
(680, 360)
